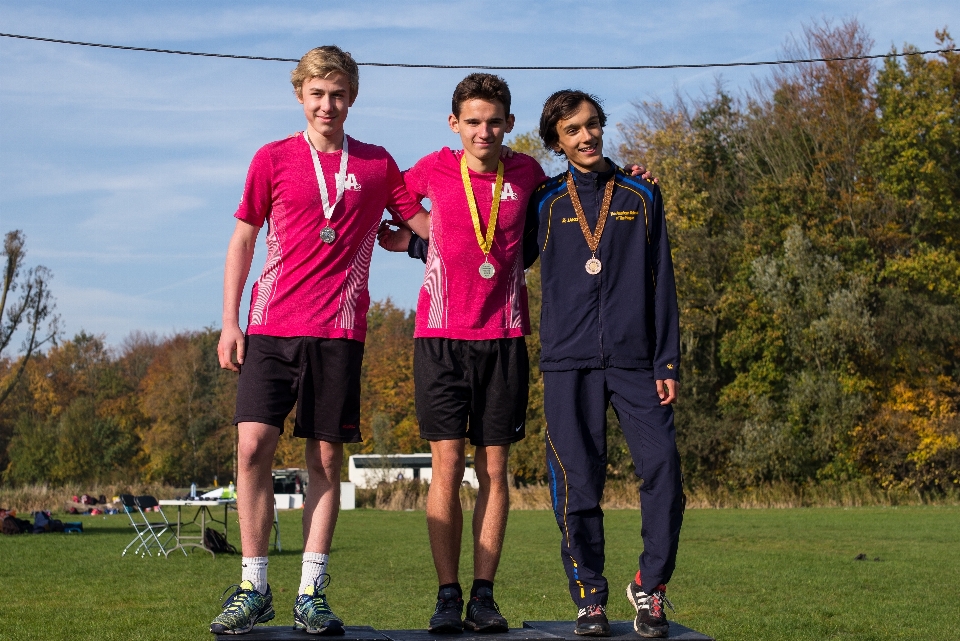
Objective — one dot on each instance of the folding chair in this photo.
(148, 532)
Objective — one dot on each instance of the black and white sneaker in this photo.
(448, 617)
(483, 614)
(651, 620)
(592, 621)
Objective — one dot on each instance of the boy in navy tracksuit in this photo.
(610, 333)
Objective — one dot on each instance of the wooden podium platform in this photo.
(531, 631)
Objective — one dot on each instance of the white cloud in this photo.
(110, 257)
(74, 179)
(102, 311)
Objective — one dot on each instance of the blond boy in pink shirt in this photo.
(322, 195)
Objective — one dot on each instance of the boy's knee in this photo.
(325, 459)
(448, 455)
(492, 469)
(253, 451)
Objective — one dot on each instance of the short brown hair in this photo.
(323, 61)
(482, 86)
(560, 106)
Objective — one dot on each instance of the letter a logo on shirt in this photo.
(507, 192)
(351, 183)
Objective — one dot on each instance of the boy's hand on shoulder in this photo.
(639, 170)
(231, 338)
(506, 152)
(667, 391)
(393, 240)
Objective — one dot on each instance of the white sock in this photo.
(313, 565)
(255, 571)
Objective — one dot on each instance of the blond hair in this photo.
(321, 63)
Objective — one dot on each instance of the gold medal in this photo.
(485, 240)
(593, 265)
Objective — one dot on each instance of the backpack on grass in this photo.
(216, 541)
(13, 525)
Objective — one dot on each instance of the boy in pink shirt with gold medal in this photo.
(470, 358)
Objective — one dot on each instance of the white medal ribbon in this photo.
(341, 178)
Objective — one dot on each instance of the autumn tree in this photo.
(387, 416)
(191, 435)
(75, 422)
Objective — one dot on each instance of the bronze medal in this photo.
(593, 266)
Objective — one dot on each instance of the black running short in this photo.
(321, 376)
(471, 389)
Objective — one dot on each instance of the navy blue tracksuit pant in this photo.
(575, 404)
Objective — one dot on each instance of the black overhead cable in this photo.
(707, 65)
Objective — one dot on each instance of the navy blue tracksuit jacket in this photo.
(626, 316)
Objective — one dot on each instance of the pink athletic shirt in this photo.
(309, 288)
(455, 301)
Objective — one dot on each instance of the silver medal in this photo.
(593, 266)
(487, 270)
(327, 234)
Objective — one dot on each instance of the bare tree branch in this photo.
(35, 308)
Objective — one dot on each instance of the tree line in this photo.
(161, 409)
(815, 229)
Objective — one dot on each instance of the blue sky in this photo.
(124, 169)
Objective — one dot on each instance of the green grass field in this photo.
(741, 574)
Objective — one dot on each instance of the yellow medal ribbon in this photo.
(485, 242)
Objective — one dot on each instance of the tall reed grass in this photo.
(412, 495)
(31, 498)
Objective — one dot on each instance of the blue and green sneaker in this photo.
(312, 613)
(243, 609)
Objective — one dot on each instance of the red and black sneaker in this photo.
(651, 620)
(592, 621)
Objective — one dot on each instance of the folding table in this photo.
(205, 513)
